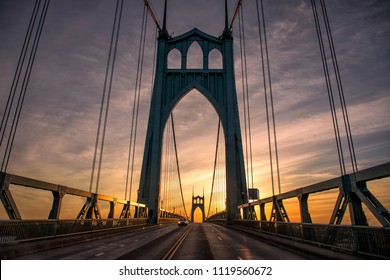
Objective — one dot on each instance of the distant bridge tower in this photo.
(170, 86)
(197, 202)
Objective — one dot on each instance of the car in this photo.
(182, 222)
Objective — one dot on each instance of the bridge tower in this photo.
(197, 202)
(170, 86)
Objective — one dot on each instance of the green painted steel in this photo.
(218, 87)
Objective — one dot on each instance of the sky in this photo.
(56, 134)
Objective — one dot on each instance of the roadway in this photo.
(194, 242)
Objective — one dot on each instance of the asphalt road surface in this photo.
(203, 242)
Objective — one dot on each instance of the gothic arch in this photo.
(194, 85)
(174, 59)
(194, 56)
(215, 59)
(170, 86)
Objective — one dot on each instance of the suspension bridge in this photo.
(238, 221)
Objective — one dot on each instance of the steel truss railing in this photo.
(14, 230)
(89, 218)
(90, 209)
(371, 241)
(353, 192)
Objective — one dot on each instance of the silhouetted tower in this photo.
(197, 202)
(170, 86)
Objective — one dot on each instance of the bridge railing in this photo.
(373, 241)
(89, 210)
(353, 192)
(15, 230)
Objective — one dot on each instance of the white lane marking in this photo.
(240, 258)
(98, 255)
(219, 238)
(121, 246)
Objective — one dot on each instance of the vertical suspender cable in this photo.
(135, 112)
(177, 163)
(240, 29)
(329, 90)
(104, 103)
(271, 98)
(340, 88)
(116, 34)
(24, 86)
(215, 167)
(248, 133)
(266, 99)
(18, 71)
(261, 24)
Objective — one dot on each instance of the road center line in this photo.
(98, 255)
(219, 238)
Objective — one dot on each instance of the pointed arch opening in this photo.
(195, 125)
(174, 59)
(215, 59)
(198, 215)
(195, 56)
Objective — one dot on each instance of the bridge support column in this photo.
(57, 202)
(348, 197)
(304, 208)
(112, 210)
(7, 199)
(278, 213)
(90, 208)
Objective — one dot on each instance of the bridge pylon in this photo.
(197, 202)
(170, 86)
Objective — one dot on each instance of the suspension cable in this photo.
(24, 86)
(177, 163)
(340, 88)
(238, 5)
(245, 92)
(266, 98)
(135, 111)
(18, 71)
(329, 90)
(215, 166)
(108, 80)
(147, 5)
(271, 99)
(261, 25)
